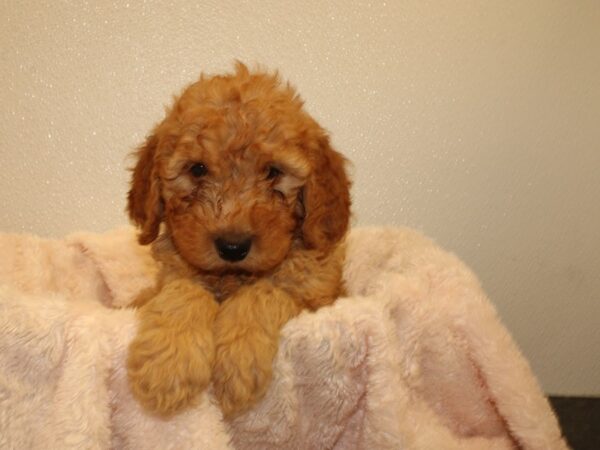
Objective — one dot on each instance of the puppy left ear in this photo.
(144, 203)
(326, 199)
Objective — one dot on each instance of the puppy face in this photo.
(231, 197)
(237, 172)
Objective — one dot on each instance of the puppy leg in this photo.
(170, 359)
(246, 337)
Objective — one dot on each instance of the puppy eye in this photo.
(273, 172)
(198, 170)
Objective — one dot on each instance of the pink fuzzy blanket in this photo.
(414, 358)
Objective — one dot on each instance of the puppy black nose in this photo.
(233, 250)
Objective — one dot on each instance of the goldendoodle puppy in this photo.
(246, 205)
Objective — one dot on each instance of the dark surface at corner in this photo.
(580, 420)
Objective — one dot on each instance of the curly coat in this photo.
(236, 160)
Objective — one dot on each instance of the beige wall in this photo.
(475, 121)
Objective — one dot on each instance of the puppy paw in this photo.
(243, 367)
(168, 369)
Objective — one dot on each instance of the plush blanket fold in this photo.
(414, 358)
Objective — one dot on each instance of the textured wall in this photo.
(476, 122)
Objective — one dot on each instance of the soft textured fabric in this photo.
(414, 358)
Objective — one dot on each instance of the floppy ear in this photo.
(326, 198)
(144, 203)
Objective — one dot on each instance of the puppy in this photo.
(246, 205)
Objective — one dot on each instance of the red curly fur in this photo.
(268, 174)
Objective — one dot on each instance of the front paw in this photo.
(168, 369)
(243, 367)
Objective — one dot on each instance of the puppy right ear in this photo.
(144, 203)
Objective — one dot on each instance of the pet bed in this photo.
(414, 358)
